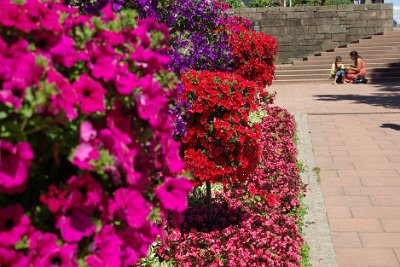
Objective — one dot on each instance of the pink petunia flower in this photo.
(64, 51)
(74, 225)
(41, 244)
(106, 250)
(137, 242)
(131, 206)
(64, 256)
(54, 198)
(84, 154)
(13, 93)
(126, 81)
(13, 224)
(87, 131)
(91, 95)
(86, 193)
(14, 166)
(173, 193)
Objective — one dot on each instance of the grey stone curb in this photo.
(316, 229)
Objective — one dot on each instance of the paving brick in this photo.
(347, 201)
(386, 201)
(380, 240)
(372, 190)
(332, 190)
(348, 182)
(355, 225)
(338, 212)
(397, 251)
(380, 181)
(391, 225)
(376, 212)
(375, 152)
(395, 159)
(366, 257)
(346, 239)
(368, 173)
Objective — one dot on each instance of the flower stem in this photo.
(209, 206)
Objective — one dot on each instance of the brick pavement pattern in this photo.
(355, 133)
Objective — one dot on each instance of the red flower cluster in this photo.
(253, 54)
(220, 145)
(248, 232)
(277, 181)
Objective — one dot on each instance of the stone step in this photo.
(365, 50)
(386, 79)
(346, 61)
(326, 71)
(378, 43)
(346, 56)
(325, 66)
(325, 75)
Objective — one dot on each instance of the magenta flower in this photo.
(64, 51)
(149, 60)
(74, 225)
(64, 256)
(104, 67)
(86, 193)
(41, 244)
(137, 242)
(13, 93)
(66, 98)
(106, 249)
(126, 81)
(13, 224)
(87, 131)
(151, 101)
(84, 154)
(14, 165)
(54, 198)
(172, 158)
(173, 193)
(90, 95)
(8, 257)
(131, 206)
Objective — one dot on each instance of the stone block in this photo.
(339, 37)
(345, 8)
(388, 6)
(295, 15)
(256, 16)
(374, 23)
(360, 8)
(308, 21)
(352, 16)
(367, 15)
(326, 14)
(272, 23)
(275, 31)
(310, 8)
(293, 22)
(327, 8)
(323, 28)
(262, 9)
(312, 29)
(296, 30)
(273, 10)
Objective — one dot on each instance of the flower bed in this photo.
(251, 227)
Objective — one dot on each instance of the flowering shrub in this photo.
(252, 53)
(220, 144)
(87, 159)
(277, 180)
(253, 229)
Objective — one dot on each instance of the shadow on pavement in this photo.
(391, 126)
(385, 95)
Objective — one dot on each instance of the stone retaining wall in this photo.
(306, 30)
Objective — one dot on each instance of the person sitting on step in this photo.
(337, 71)
(357, 70)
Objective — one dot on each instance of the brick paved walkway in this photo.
(355, 133)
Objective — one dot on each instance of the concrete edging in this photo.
(316, 229)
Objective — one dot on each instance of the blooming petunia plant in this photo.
(88, 163)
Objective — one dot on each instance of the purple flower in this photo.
(173, 193)
(90, 95)
(14, 165)
(106, 250)
(13, 224)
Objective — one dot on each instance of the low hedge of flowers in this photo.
(254, 226)
(88, 163)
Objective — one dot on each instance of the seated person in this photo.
(357, 70)
(337, 70)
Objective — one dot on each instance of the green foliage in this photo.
(305, 256)
(338, 2)
(257, 116)
(154, 260)
(234, 3)
(264, 3)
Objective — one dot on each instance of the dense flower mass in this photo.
(86, 137)
(220, 144)
(252, 226)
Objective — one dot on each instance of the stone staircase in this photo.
(381, 54)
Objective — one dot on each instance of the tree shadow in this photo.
(386, 95)
(391, 126)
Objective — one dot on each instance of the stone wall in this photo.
(306, 30)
